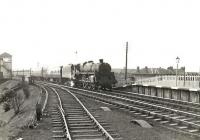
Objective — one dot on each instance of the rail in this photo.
(66, 126)
(149, 112)
(164, 114)
(63, 116)
(45, 102)
(108, 136)
(141, 103)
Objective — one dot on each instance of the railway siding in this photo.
(182, 120)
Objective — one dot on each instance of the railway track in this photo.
(181, 105)
(71, 120)
(183, 121)
(54, 111)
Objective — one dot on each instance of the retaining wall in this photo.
(176, 93)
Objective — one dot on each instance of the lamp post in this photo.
(126, 62)
(177, 61)
(184, 78)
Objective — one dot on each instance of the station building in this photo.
(5, 65)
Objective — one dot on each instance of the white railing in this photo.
(192, 81)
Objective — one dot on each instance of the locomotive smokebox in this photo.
(101, 60)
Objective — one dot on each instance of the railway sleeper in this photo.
(193, 130)
(71, 107)
(58, 131)
(85, 131)
(75, 113)
(78, 119)
(56, 119)
(80, 122)
(57, 122)
(82, 127)
(164, 122)
(58, 136)
(173, 124)
(88, 137)
(74, 110)
(196, 121)
(182, 127)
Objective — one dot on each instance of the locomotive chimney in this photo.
(101, 60)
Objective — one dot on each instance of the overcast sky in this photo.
(49, 32)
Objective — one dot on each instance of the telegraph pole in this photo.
(126, 61)
(42, 72)
(61, 69)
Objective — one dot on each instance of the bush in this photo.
(6, 96)
(9, 94)
(6, 106)
(17, 101)
(5, 88)
(11, 99)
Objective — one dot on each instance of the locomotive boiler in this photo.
(92, 75)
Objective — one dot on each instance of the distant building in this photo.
(5, 65)
(159, 71)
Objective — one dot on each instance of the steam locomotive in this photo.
(94, 75)
(88, 75)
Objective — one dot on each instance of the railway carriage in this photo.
(62, 74)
